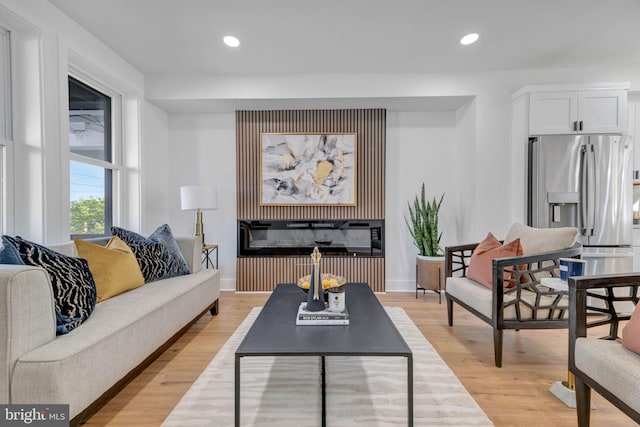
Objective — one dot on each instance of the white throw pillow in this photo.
(537, 240)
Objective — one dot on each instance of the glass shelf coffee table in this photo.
(369, 333)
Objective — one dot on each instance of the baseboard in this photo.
(228, 285)
(400, 286)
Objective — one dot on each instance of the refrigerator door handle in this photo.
(583, 190)
(591, 190)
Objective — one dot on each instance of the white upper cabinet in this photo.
(602, 111)
(569, 112)
(552, 112)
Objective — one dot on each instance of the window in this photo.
(92, 169)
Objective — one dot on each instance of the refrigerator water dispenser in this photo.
(563, 209)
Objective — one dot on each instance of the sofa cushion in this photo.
(612, 366)
(9, 254)
(481, 263)
(73, 287)
(114, 267)
(158, 256)
(631, 332)
(537, 240)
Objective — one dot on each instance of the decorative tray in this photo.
(328, 281)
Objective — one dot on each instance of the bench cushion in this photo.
(612, 366)
(480, 297)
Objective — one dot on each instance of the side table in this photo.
(206, 255)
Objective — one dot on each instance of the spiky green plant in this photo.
(424, 224)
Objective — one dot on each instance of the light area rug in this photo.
(361, 391)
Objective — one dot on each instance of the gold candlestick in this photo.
(316, 271)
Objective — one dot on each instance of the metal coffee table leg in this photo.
(237, 391)
(324, 393)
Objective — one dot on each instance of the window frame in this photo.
(6, 130)
(115, 166)
(6, 101)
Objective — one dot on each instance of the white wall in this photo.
(45, 44)
(202, 151)
(422, 147)
(156, 200)
(432, 147)
(464, 153)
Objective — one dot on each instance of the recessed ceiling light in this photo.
(231, 41)
(469, 38)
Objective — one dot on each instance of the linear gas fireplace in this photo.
(334, 238)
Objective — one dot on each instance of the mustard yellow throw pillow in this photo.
(114, 267)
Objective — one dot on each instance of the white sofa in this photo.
(122, 335)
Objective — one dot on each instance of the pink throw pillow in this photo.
(489, 243)
(481, 263)
(631, 332)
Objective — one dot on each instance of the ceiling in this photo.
(361, 36)
(171, 37)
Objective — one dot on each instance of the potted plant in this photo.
(423, 226)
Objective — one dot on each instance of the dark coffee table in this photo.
(370, 333)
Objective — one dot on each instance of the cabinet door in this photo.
(552, 113)
(602, 111)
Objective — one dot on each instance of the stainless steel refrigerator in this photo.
(585, 181)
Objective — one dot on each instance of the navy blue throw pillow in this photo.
(158, 256)
(74, 290)
(8, 253)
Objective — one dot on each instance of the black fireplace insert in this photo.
(355, 237)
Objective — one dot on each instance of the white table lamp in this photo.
(198, 198)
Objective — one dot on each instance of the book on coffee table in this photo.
(324, 317)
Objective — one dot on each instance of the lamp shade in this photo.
(198, 197)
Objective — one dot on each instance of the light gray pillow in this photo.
(537, 240)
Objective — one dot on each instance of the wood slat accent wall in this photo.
(262, 274)
(370, 128)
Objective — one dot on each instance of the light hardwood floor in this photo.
(514, 395)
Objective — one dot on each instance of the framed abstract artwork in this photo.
(308, 169)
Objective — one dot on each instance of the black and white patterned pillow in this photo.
(158, 256)
(74, 290)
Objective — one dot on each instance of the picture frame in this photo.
(308, 169)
